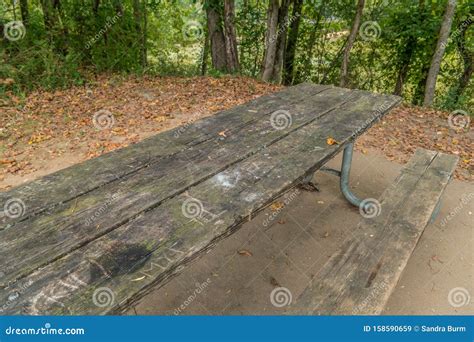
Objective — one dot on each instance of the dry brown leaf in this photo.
(160, 119)
(331, 141)
(245, 252)
(276, 206)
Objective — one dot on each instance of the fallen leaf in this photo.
(222, 134)
(245, 252)
(331, 141)
(277, 206)
(160, 119)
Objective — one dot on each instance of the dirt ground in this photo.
(237, 276)
(48, 131)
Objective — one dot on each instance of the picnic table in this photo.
(96, 237)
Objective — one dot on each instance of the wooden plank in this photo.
(156, 245)
(360, 277)
(75, 223)
(65, 185)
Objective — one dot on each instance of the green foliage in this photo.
(64, 45)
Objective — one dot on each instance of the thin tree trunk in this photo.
(404, 66)
(232, 56)
(292, 41)
(47, 9)
(144, 36)
(311, 42)
(205, 53)
(420, 87)
(270, 40)
(25, 14)
(282, 37)
(138, 15)
(95, 8)
(468, 60)
(350, 42)
(439, 52)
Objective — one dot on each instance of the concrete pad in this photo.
(289, 249)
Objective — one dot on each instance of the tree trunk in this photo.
(232, 56)
(205, 53)
(282, 37)
(277, 25)
(292, 41)
(350, 42)
(310, 43)
(404, 65)
(216, 36)
(95, 7)
(25, 14)
(47, 16)
(270, 40)
(144, 36)
(139, 13)
(468, 60)
(439, 52)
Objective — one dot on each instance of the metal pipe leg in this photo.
(345, 171)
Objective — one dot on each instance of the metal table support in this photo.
(344, 175)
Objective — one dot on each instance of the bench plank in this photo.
(360, 277)
(67, 184)
(157, 244)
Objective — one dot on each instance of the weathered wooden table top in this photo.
(95, 237)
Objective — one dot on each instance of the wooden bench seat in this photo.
(116, 226)
(360, 277)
